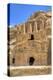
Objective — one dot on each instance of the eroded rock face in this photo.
(31, 39)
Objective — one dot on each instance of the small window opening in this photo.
(32, 37)
(13, 60)
(31, 61)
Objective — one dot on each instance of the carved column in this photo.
(35, 26)
(30, 28)
(42, 25)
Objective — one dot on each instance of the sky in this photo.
(19, 13)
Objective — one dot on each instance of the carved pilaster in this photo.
(35, 26)
(30, 28)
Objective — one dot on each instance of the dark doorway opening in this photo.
(32, 37)
(13, 60)
(31, 61)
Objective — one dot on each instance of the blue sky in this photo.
(19, 13)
